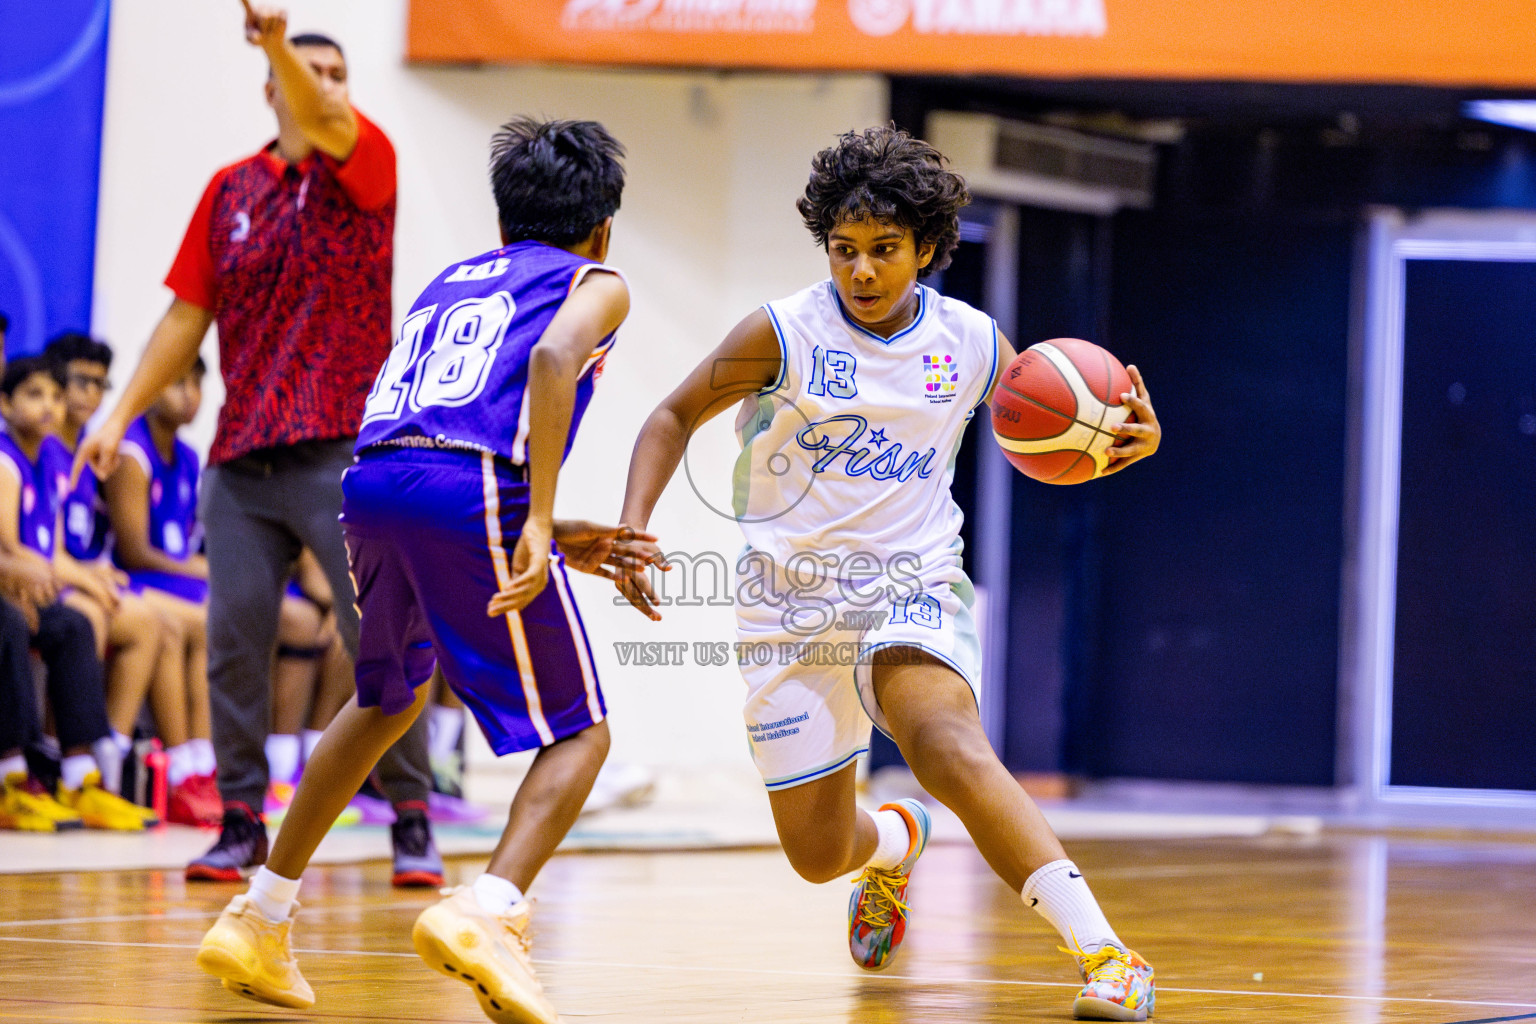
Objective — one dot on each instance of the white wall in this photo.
(707, 231)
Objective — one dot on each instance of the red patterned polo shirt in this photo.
(295, 262)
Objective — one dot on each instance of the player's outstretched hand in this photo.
(99, 452)
(1139, 438)
(591, 547)
(636, 554)
(264, 25)
(530, 571)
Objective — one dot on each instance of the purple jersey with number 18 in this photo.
(433, 510)
(456, 378)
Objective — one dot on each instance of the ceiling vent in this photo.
(1039, 165)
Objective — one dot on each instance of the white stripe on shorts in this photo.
(578, 640)
(504, 580)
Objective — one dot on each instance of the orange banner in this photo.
(1442, 42)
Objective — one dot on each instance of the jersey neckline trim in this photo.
(922, 310)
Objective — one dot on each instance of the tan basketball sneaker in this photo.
(253, 957)
(489, 953)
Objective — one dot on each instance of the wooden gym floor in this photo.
(1347, 927)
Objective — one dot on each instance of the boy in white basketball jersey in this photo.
(858, 390)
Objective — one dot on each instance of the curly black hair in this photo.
(554, 181)
(886, 174)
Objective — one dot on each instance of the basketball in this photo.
(1056, 409)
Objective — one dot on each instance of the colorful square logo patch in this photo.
(941, 376)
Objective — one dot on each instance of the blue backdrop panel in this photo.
(53, 59)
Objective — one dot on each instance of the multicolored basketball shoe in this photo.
(1119, 985)
(253, 956)
(877, 917)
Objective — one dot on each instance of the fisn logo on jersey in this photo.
(980, 17)
(689, 15)
(941, 376)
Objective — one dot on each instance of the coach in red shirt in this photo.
(290, 252)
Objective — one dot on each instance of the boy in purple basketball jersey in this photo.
(459, 562)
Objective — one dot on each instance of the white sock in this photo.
(13, 764)
(273, 894)
(1058, 893)
(282, 756)
(205, 763)
(894, 841)
(109, 759)
(74, 768)
(180, 763)
(309, 739)
(443, 730)
(124, 743)
(496, 895)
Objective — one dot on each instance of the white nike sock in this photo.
(496, 895)
(282, 756)
(16, 763)
(74, 768)
(124, 743)
(1058, 893)
(894, 841)
(273, 894)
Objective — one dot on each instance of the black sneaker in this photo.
(242, 848)
(417, 864)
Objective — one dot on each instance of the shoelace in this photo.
(523, 939)
(880, 898)
(1114, 962)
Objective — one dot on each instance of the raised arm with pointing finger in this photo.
(307, 90)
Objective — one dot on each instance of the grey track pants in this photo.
(257, 513)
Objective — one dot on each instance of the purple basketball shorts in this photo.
(430, 535)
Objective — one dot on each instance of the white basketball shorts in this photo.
(804, 647)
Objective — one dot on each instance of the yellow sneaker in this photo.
(488, 953)
(27, 805)
(254, 958)
(100, 808)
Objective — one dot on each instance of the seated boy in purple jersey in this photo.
(448, 516)
(131, 636)
(34, 473)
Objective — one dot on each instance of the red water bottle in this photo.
(155, 763)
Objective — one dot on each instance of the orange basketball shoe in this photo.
(253, 956)
(1119, 985)
(488, 953)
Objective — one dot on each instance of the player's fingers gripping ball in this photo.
(1057, 408)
